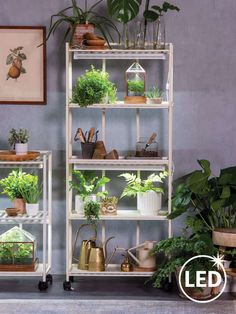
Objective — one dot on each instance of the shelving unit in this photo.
(74, 162)
(43, 218)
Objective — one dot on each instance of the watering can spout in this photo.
(105, 251)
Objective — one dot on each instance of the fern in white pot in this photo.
(148, 192)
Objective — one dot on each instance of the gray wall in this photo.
(203, 34)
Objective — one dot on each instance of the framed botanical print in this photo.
(22, 65)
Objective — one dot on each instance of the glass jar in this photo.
(143, 151)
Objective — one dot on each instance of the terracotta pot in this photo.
(224, 237)
(80, 30)
(19, 204)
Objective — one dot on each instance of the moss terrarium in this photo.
(135, 84)
(17, 250)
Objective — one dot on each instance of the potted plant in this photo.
(109, 205)
(13, 185)
(124, 12)
(31, 197)
(177, 250)
(81, 21)
(212, 201)
(136, 87)
(18, 139)
(86, 186)
(154, 95)
(91, 212)
(148, 194)
(93, 87)
(156, 16)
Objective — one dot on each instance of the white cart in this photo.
(73, 162)
(43, 218)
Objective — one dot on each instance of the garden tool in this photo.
(85, 247)
(80, 136)
(143, 257)
(98, 260)
(151, 139)
(91, 135)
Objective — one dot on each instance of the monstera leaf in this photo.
(122, 10)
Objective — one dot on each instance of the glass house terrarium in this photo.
(17, 250)
(135, 78)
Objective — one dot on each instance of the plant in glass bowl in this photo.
(18, 139)
(86, 186)
(154, 95)
(81, 21)
(148, 193)
(93, 87)
(13, 185)
(177, 250)
(210, 200)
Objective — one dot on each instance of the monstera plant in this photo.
(124, 11)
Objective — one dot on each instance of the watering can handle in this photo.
(76, 238)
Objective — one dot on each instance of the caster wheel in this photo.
(167, 286)
(71, 278)
(43, 285)
(49, 279)
(67, 286)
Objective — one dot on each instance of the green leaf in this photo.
(198, 182)
(150, 15)
(122, 10)
(205, 164)
(225, 192)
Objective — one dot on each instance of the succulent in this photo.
(18, 136)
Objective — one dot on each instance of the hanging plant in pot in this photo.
(149, 196)
(18, 139)
(212, 201)
(82, 21)
(86, 186)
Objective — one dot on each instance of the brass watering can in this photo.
(98, 256)
(85, 247)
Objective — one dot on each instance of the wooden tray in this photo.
(23, 268)
(6, 155)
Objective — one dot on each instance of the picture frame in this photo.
(23, 79)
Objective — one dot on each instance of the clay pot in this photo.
(224, 237)
(19, 204)
(80, 30)
(100, 150)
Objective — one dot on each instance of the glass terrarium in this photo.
(135, 78)
(17, 250)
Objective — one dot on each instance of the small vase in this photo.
(125, 37)
(159, 35)
(19, 204)
(149, 203)
(79, 205)
(32, 209)
(21, 148)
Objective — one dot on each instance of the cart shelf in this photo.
(113, 270)
(23, 219)
(37, 163)
(37, 273)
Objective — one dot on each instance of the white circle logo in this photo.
(203, 279)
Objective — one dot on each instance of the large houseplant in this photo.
(93, 87)
(147, 191)
(210, 199)
(86, 186)
(177, 250)
(80, 21)
(16, 182)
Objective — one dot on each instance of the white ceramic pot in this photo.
(21, 149)
(79, 203)
(32, 209)
(149, 203)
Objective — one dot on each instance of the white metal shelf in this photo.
(122, 105)
(37, 163)
(37, 273)
(119, 164)
(113, 270)
(23, 219)
(123, 215)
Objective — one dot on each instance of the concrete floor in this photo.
(106, 296)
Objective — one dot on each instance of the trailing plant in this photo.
(86, 183)
(91, 212)
(17, 181)
(154, 92)
(211, 200)
(124, 12)
(137, 185)
(136, 86)
(74, 15)
(18, 136)
(177, 250)
(93, 87)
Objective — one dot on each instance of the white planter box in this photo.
(32, 209)
(149, 203)
(79, 203)
(21, 149)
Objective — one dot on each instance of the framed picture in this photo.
(22, 65)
